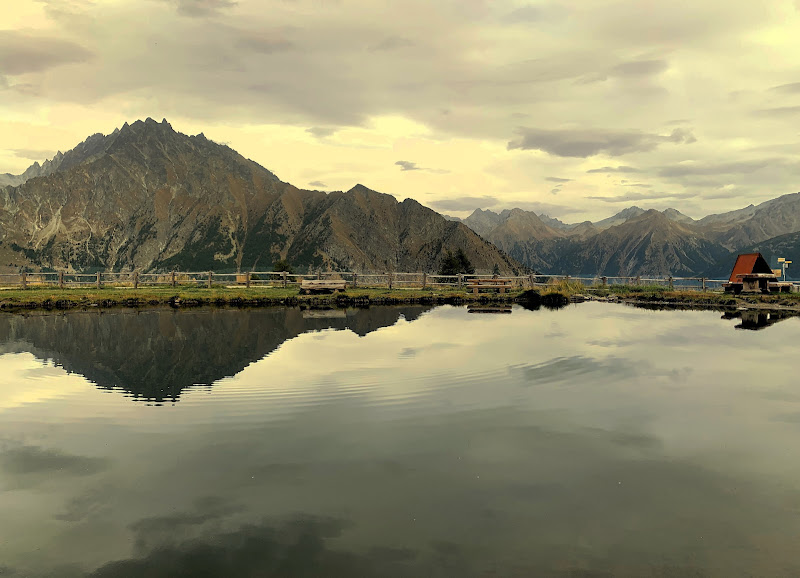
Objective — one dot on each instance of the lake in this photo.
(594, 440)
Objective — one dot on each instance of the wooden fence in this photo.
(391, 280)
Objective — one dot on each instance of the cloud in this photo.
(410, 166)
(618, 169)
(464, 203)
(555, 191)
(557, 180)
(634, 197)
(584, 143)
(32, 460)
(201, 8)
(790, 88)
(779, 112)
(34, 154)
(640, 68)
(730, 168)
(392, 43)
(407, 166)
(543, 208)
(264, 42)
(321, 131)
(681, 136)
(318, 184)
(25, 52)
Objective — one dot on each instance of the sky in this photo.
(576, 109)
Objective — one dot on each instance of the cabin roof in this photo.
(749, 264)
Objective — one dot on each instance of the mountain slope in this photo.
(648, 245)
(148, 197)
(743, 228)
(787, 246)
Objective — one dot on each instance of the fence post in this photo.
(389, 279)
(638, 279)
(210, 277)
(98, 280)
(247, 279)
(424, 279)
(355, 280)
(460, 278)
(530, 280)
(604, 280)
(671, 283)
(135, 279)
(173, 279)
(703, 280)
(60, 279)
(23, 280)
(566, 278)
(319, 274)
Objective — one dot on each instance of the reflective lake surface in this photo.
(596, 440)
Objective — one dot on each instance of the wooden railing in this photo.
(391, 280)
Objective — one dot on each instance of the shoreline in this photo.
(49, 299)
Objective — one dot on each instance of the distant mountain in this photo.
(677, 216)
(619, 218)
(35, 170)
(650, 244)
(148, 197)
(638, 242)
(786, 246)
(755, 224)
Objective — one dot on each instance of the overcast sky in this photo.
(576, 108)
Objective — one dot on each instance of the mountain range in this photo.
(643, 242)
(150, 198)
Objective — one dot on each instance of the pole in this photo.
(135, 279)
(210, 277)
(60, 279)
(703, 281)
(424, 279)
(605, 281)
(247, 279)
(459, 280)
(23, 280)
(284, 275)
(98, 280)
(671, 284)
(389, 279)
(173, 278)
(355, 280)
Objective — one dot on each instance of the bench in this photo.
(498, 284)
(321, 286)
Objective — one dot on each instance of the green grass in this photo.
(51, 297)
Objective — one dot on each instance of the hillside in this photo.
(148, 197)
(637, 242)
(650, 244)
(787, 246)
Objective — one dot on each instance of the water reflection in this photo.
(596, 440)
(156, 354)
(756, 319)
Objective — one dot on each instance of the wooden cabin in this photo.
(752, 274)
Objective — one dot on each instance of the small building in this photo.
(752, 274)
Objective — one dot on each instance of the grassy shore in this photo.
(657, 294)
(260, 296)
(52, 298)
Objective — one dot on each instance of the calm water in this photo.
(597, 440)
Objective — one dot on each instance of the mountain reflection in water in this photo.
(594, 440)
(155, 354)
